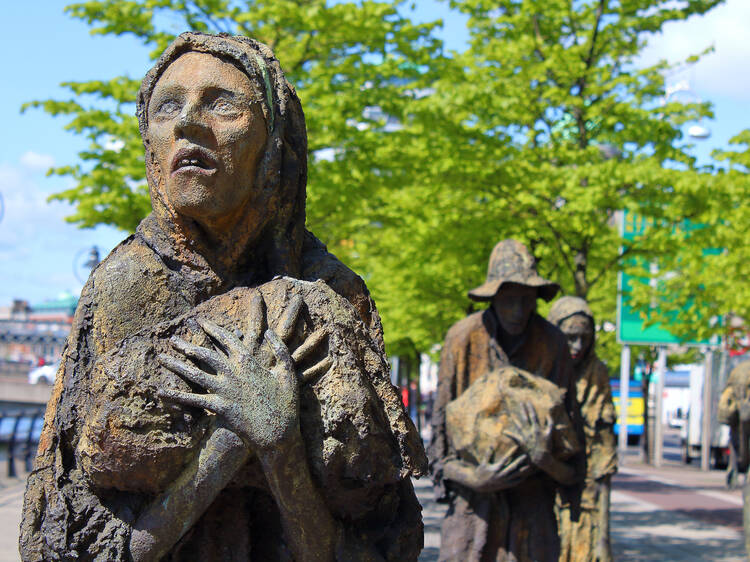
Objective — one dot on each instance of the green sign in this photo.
(631, 328)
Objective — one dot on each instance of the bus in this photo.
(636, 409)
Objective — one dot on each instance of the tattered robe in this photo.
(518, 523)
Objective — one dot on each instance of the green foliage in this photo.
(542, 130)
(514, 142)
(710, 264)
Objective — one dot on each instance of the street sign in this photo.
(631, 326)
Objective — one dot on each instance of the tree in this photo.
(342, 57)
(543, 130)
(706, 285)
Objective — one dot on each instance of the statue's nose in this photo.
(190, 120)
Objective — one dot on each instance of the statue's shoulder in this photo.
(544, 331)
(318, 264)
(130, 290)
(471, 326)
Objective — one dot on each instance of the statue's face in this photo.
(580, 334)
(207, 132)
(514, 305)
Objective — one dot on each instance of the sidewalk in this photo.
(11, 501)
(653, 517)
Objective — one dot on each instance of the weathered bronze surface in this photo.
(734, 410)
(584, 524)
(224, 393)
(502, 487)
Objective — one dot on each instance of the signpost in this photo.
(632, 330)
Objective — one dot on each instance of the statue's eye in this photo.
(223, 106)
(168, 107)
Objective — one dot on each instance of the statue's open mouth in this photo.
(194, 160)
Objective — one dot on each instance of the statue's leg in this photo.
(746, 512)
(603, 544)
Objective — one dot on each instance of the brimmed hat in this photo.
(511, 262)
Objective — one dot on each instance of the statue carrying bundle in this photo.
(477, 422)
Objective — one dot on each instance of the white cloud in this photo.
(36, 162)
(37, 247)
(726, 71)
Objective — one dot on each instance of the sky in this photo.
(43, 47)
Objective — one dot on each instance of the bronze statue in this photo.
(734, 410)
(502, 499)
(584, 524)
(224, 393)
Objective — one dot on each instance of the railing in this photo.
(19, 437)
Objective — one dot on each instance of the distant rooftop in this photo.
(65, 302)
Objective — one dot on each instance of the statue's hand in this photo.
(505, 473)
(260, 403)
(532, 436)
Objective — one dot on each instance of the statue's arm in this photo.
(262, 407)
(438, 450)
(172, 513)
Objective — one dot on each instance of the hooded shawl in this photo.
(87, 488)
(584, 532)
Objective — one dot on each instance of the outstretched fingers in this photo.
(290, 317)
(256, 323)
(223, 337)
(309, 345)
(505, 459)
(208, 356)
(317, 370)
(531, 413)
(280, 350)
(189, 371)
(205, 401)
(513, 466)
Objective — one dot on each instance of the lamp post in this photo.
(92, 260)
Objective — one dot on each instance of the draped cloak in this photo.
(584, 531)
(109, 445)
(517, 523)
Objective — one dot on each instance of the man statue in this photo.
(504, 510)
(224, 392)
(734, 410)
(584, 532)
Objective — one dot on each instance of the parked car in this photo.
(44, 374)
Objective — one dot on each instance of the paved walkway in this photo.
(655, 517)
(11, 500)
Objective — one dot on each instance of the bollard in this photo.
(11, 448)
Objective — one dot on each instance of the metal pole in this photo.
(707, 413)
(624, 401)
(394, 371)
(661, 373)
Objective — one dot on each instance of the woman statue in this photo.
(584, 522)
(224, 392)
